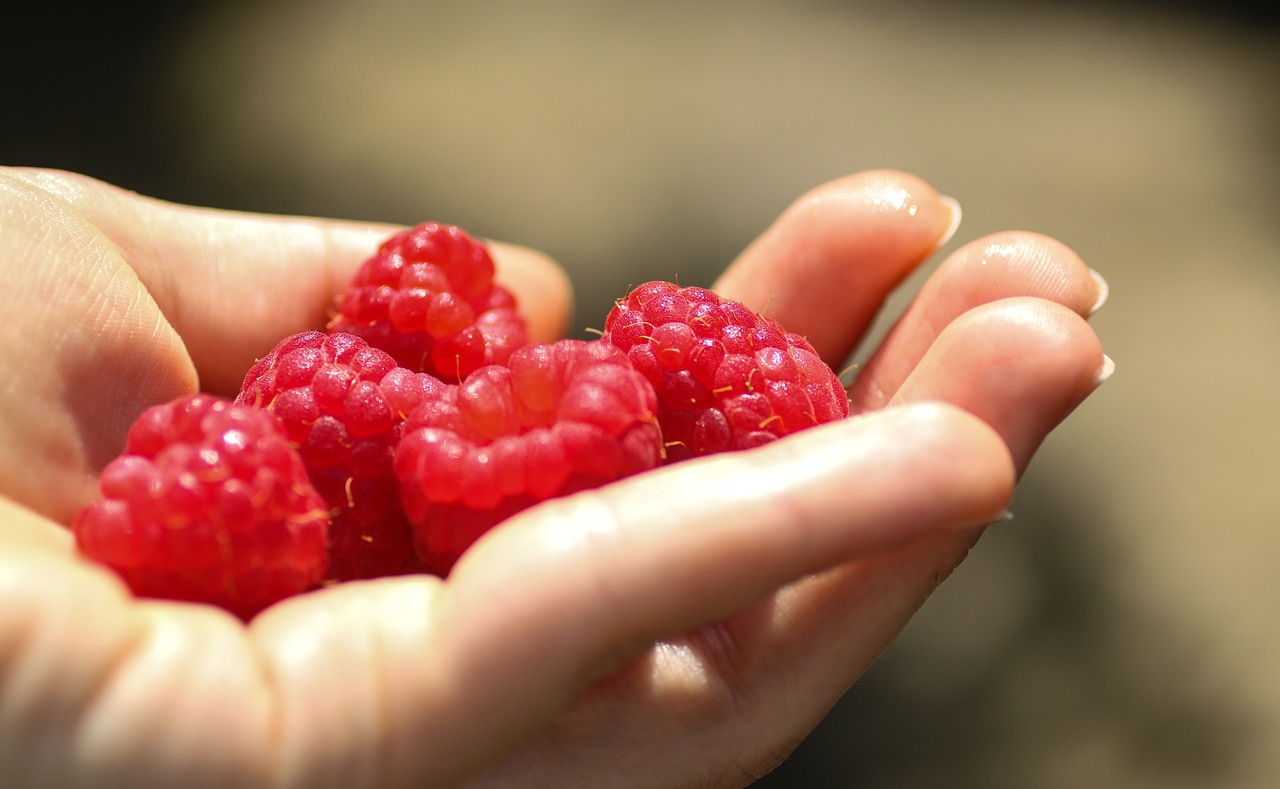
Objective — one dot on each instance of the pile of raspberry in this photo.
(420, 417)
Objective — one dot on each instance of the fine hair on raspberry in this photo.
(342, 403)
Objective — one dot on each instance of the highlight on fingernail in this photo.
(1108, 369)
(1003, 517)
(1104, 290)
(956, 215)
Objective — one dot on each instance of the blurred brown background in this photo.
(1120, 632)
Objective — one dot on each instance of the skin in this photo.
(685, 627)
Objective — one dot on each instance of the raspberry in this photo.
(342, 403)
(727, 377)
(557, 418)
(427, 297)
(208, 503)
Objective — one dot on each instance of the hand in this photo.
(687, 626)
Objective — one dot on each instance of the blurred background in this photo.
(1120, 632)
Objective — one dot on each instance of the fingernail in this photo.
(1003, 517)
(954, 206)
(1108, 369)
(1104, 290)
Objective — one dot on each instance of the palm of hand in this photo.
(687, 626)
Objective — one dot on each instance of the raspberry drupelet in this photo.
(208, 503)
(727, 377)
(428, 298)
(556, 419)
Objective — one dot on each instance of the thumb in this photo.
(90, 350)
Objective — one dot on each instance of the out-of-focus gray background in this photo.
(1121, 631)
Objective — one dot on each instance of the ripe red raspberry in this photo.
(428, 298)
(208, 503)
(342, 403)
(557, 418)
(727, 378)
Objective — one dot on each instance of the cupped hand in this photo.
(685, 627)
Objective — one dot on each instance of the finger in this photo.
(99, 690)
(1021, 365)
(22, 529)
(235, 284)
(825, 267)
(92, 352)
(557, 598)
(362, 697)
(999, 266)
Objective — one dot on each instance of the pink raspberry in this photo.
(428, 298)
(557, 418)
(208, 503)
(342, 403)
(727, 378)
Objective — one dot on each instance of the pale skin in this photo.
(683, 628)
